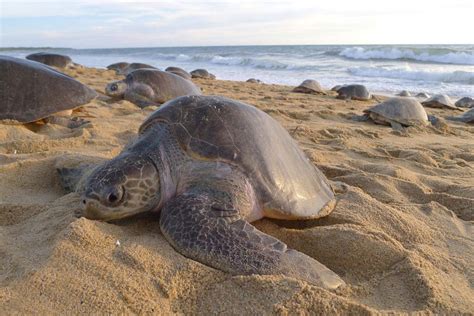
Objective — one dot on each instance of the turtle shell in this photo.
(133, 67)
(467, 117)
(354, 92)
(309, 86)
(119, 67)
(179, 72)
(440, 101)
(30, 91)
(166, 85)
(466, 102)
(404, 110)
(50, 59)
(405, 93)
(217, 128)
(202, 73)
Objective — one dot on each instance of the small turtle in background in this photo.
(51, 59)
(309, 86)
(118, 67)
(123, 68)
(423, 95)
(179, 72)
(208, 179)
(354, 92)
(467, 117)
(397, 112)
(31, 91)
(202, 73)
(253, 80)
(404, 93)
(440, 101)
(145, 87)
(465, 102)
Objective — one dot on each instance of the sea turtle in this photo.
(50, 59)
(440, 101)
(118, 67)
(179, 72)
(423, 95)
(202, 73)
(354, 92)
(467, 117)
(31, 91)
(398, 112)
(211, 165)
(146, 87)
(123, 68)
(404, 93)
(466, 102)
(253, 80)
(309, 86)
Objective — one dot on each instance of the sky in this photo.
(115, 23)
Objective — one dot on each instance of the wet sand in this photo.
(400, 235)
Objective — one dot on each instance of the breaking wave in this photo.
(426, 55)
(464, 77)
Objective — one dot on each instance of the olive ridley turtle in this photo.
(466, 102)
(354, 92)
(210, 165)
(309, 86)
(440, 101)
(50, 59)
(467, 117)
(398, 112)
(145, 87)
(31, 91)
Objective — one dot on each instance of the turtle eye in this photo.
(113, 87)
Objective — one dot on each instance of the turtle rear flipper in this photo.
(204, 229)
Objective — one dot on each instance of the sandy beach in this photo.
(400, 236)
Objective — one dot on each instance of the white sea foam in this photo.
(464, 77)
(452, 57)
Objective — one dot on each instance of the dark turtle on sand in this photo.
(467, 117)
(404, 93)
(210, 165)
(31, 91)
(202, 73)
(145, 87)
(466, 102)
(118, 67)
(179, 72)
(423, 95)
(354, 92)
(309, 86)
(123, 68)
(253, 80)
(440, 101)
(398, 112)
(50, 59)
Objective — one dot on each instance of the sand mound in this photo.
(400, 236)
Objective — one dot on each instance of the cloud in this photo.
(111, 23)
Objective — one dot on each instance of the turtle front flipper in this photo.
(214, 233)
(141, 95)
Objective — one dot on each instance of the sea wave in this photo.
(464, 77)
(445, 57)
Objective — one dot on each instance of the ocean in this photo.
(385, 69)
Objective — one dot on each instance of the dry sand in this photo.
(400, 236)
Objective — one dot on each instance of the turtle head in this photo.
(126, 185)
(116, 88)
